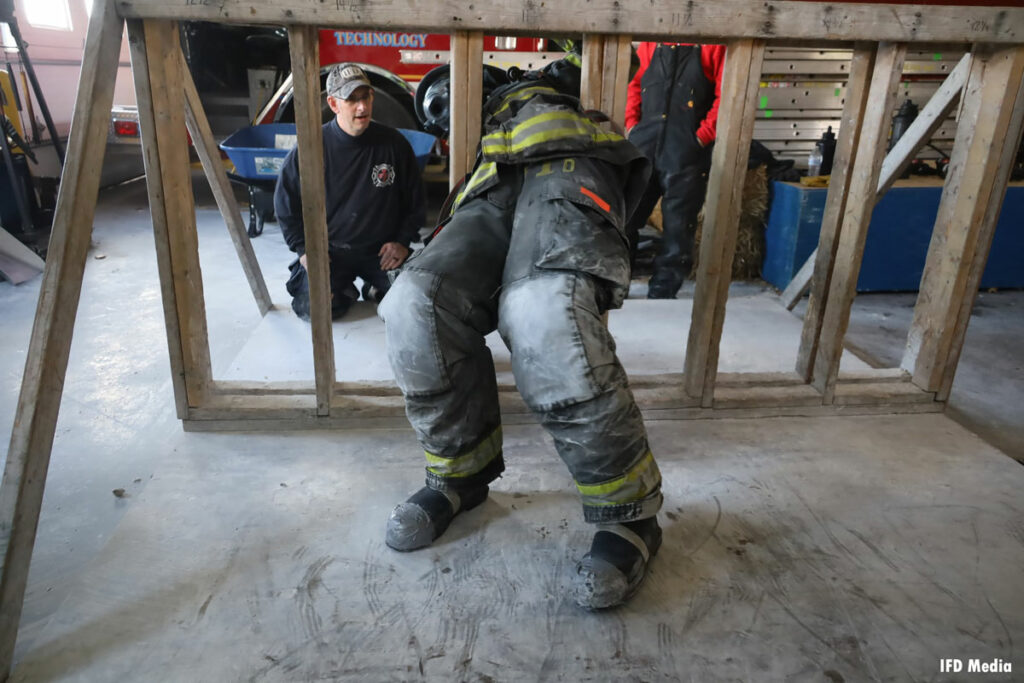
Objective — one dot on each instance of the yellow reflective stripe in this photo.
(636, 472)
(517, 140)
(467, 464)
(482, 173)
(501, 140)
(549, 136)
(492, 141)
(636, 484)
(485, 171)
(524, 94)
(573, 58)
(539, 119)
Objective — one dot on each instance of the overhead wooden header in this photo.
(706, 20)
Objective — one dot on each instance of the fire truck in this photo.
(396, 62)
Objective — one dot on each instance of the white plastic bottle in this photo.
(814, 161)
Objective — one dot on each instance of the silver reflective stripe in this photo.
(628, 534)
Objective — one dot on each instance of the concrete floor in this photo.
(986, 396)
(857, 548)
(650, 337)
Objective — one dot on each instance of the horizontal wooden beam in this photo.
(268, 421)
(881, 393)
(256, 388)
(272, 423)
(644, 19)
(766, 396)
(672, 381)
(783, 379)
(819, 410)
(292, 405)
(255, 407)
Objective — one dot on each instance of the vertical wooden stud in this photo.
(166, 78)
(474, 95)
(861, 66)
(975, 182)
(465, 103)
(860, 204)
(303, 43)
(28, 457)
(615, 69)
(158, 212)
(740, 82)
(591, 83)
(458, 94)
(984, 243)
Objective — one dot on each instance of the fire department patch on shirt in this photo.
(383, 175)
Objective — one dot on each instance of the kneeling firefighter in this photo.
(534, 247)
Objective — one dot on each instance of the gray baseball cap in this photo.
(343, 79)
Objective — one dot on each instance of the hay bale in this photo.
(750, 246)
(655, 218)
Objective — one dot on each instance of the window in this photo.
(6, 39)
(53, 14)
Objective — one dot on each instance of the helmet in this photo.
(433, 99)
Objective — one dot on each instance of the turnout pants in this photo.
(539, 256)
(345, 266)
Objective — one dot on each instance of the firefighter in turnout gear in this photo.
(672, 116)
(536, 248)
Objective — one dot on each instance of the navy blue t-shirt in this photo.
(374, 193)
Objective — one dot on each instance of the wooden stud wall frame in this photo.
(990, 127)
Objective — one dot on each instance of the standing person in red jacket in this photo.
(671, 114)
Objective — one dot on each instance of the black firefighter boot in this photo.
(616, 565)
(419, 521)
(674, 261)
